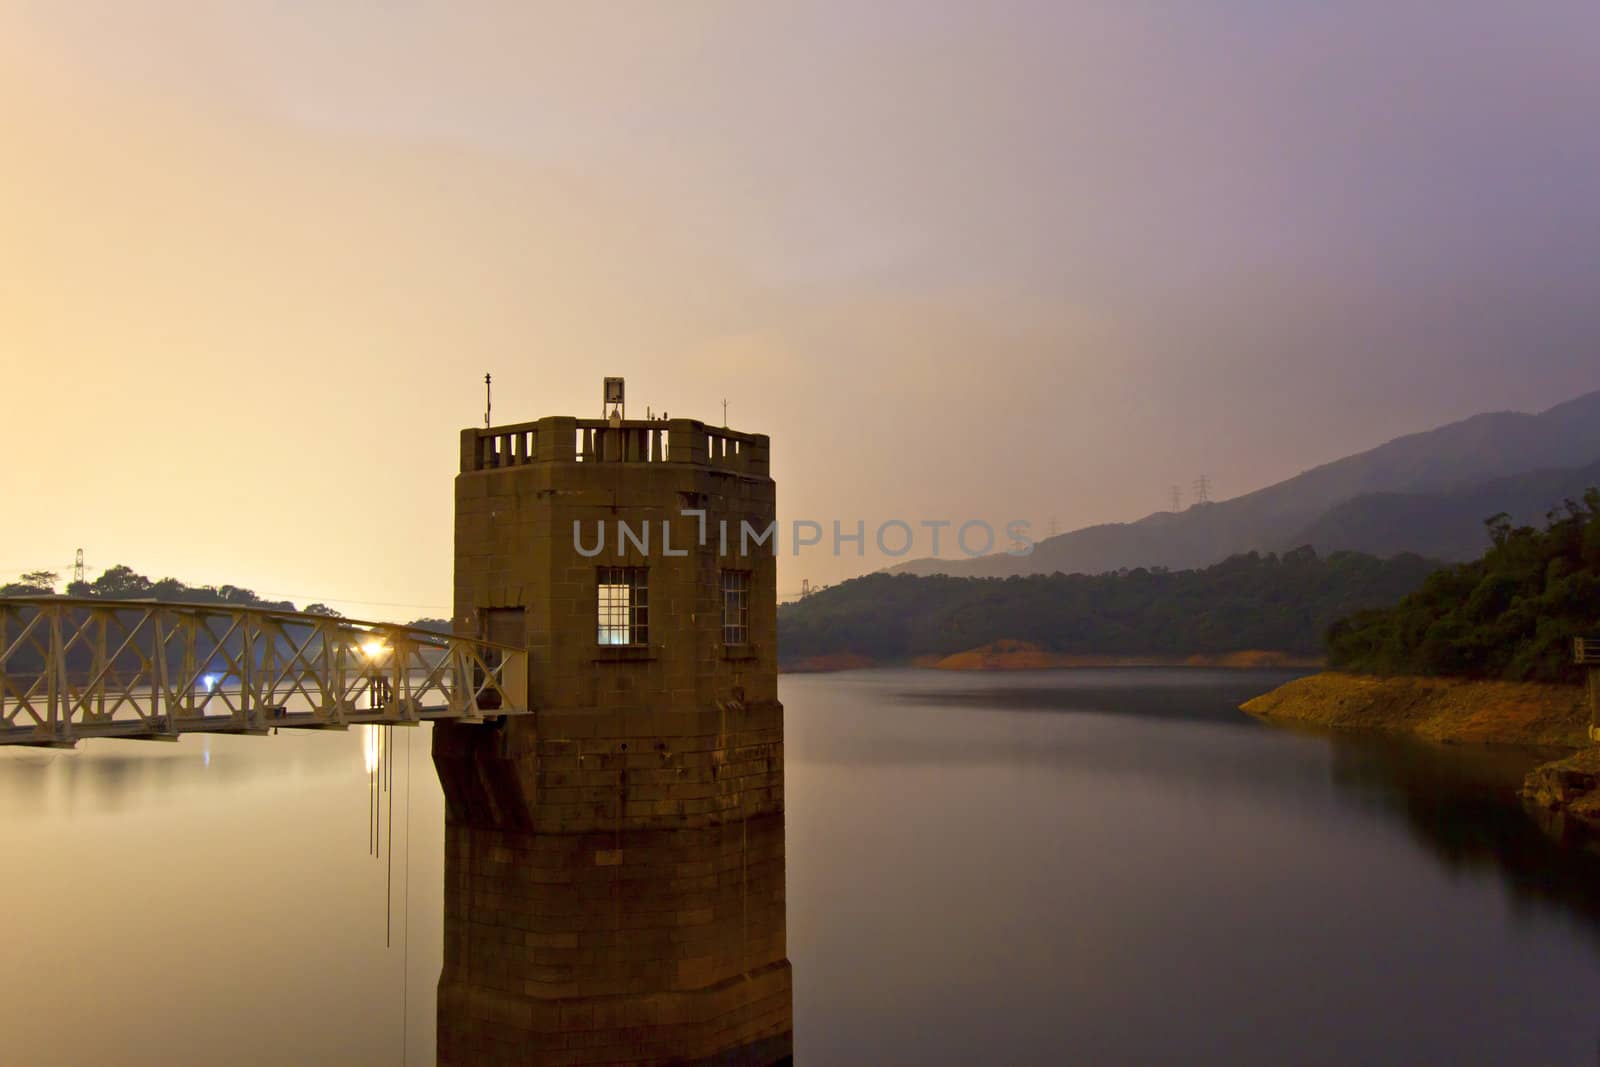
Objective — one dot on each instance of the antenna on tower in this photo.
(1202, 490)
(488, 398)
(77, 567)
(613, 407)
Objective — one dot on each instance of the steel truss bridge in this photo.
(77, 668)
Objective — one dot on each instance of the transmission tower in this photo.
(1202, 490)
(77, 567)
(1177, 499)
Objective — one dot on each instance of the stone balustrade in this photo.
(563, 439)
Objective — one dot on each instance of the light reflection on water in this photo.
(213, 900)
(1087, 866)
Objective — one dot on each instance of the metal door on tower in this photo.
(503, 626)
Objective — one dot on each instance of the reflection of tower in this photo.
(1202, 490)
(614, 864)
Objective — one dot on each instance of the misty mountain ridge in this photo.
(1425, 492)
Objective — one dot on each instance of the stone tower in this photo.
(614, 862)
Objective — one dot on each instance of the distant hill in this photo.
(1446, 460)
(1261, 602)
(1449, 525)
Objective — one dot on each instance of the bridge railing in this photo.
(74, 668)
(1586, 650)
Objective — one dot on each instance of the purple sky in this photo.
(960, 260)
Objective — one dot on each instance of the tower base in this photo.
(743, 1022)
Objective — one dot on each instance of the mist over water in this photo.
(1108, 866)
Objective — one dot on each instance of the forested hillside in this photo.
(124, 583)
(1511, 614)
(1253, 601)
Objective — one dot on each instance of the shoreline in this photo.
(1022, 656)
(1449, 710)
(1461, 711)
(1034, 659)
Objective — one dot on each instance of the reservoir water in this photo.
(1089, 866)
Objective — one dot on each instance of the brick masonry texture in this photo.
(614, 866)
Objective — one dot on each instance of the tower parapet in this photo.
(565, 439)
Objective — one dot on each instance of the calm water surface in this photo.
(1084, 866)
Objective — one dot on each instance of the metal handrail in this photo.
(73, 667)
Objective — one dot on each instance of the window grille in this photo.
(735, 607)
(624, 606)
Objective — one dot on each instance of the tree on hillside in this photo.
(32, 583)
(120, 583)
(1511, 614)
(1251, 601)
(124, 583)
(45, 580)
(320, 608)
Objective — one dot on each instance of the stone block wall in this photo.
(614, 871)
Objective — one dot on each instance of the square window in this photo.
(735, 607)
(624, 606)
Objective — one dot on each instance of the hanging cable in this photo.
(388, 885)
(405, 910)
(372, 769)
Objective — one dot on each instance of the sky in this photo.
(1036, 261)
